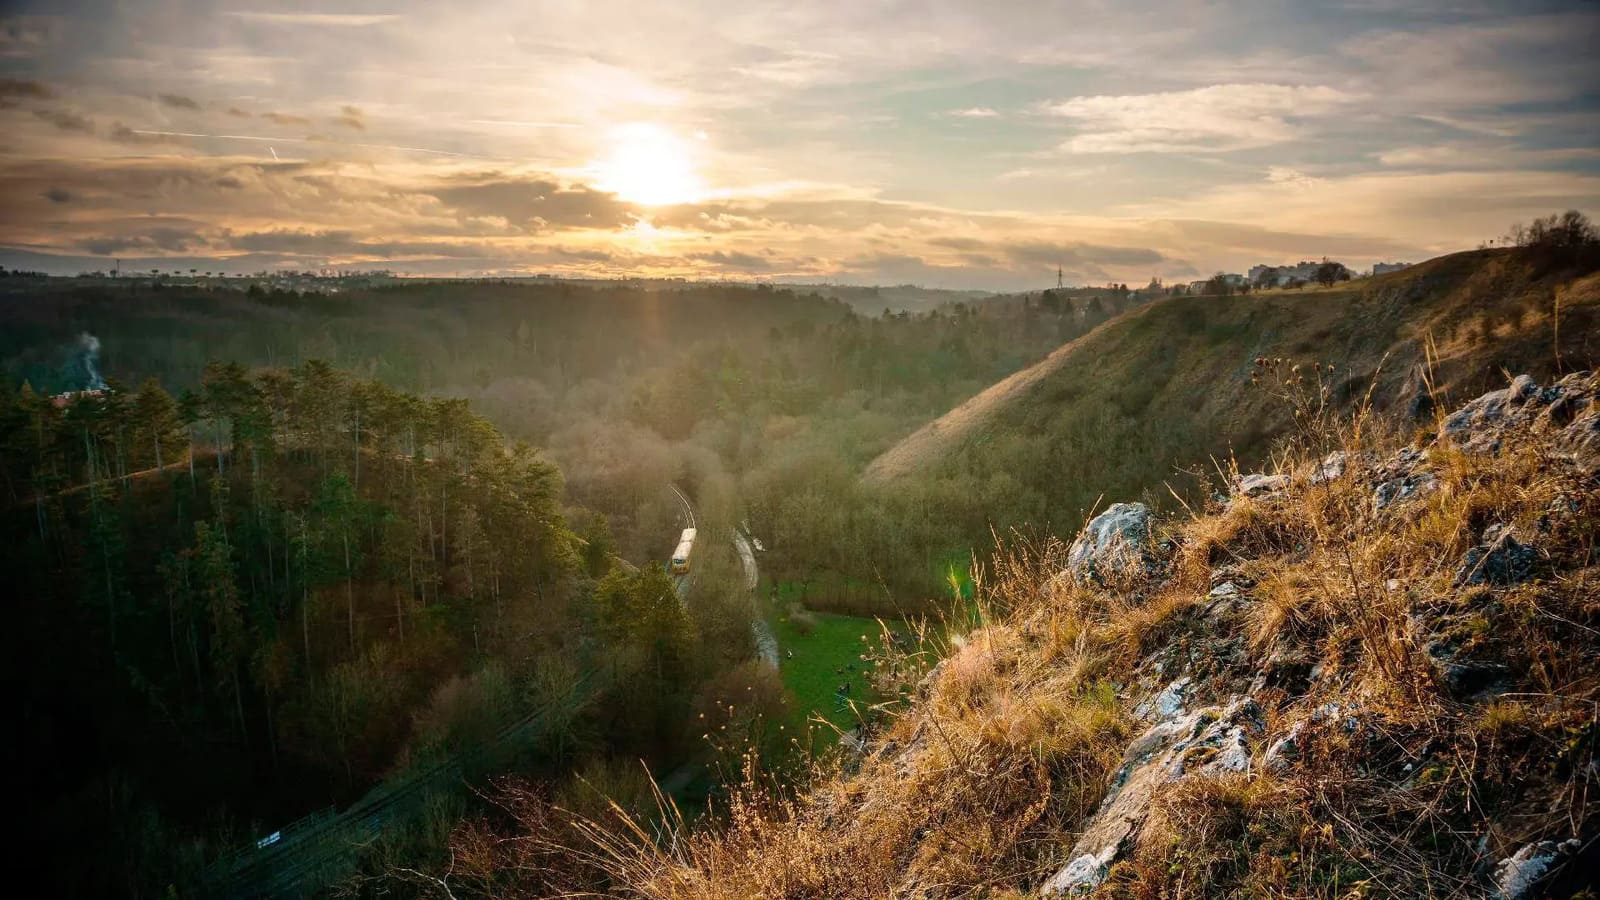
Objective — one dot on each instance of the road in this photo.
(766, 641)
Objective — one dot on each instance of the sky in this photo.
(946, 143)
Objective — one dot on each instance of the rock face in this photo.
(1113, 543)
(1567, 407)
(1213, 741)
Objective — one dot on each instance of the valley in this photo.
(348, 595)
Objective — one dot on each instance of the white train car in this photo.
(680, 556)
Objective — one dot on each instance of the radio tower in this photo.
(1059, 285)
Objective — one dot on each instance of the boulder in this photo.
(1401, 490)
(1331, 468)
(1116, 542)
(1480, 424)
(1167, 704)
(1285, 751)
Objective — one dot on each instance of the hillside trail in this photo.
(943, 435)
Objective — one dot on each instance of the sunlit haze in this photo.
(950, 144)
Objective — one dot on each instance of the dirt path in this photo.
(944, 435)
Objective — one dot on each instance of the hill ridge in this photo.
(961, 422)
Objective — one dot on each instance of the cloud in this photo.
(23, 37)
(1214, 119)
(1291, 176)
(350, 117)
(1493, 62)
(744, 263)
(534, 202)
(332, 20)
(345, 244)
(1050, 254)
(122, 134)
(875, 141)
(177, 101)
(66, 120)
(170, 240)
(1469, 156)
(23, 89)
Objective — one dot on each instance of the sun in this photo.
(648, 165)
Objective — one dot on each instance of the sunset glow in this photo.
(836, 141)
(649, 166)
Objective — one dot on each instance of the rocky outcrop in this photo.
(1179, 744)
(1566, 407)
(1181, 741)
(1260, 485)
(1114, 544)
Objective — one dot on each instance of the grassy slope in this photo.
(960, 425)
(1168, 385)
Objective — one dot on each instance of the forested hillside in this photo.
(259, 598)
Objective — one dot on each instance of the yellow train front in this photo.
(680, 556)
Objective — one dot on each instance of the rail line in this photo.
(316, 850)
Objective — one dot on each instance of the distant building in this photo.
(66, 398)
(1232, 280)
(1381, 268)
(1278, 276)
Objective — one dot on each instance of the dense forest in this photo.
(285, 584)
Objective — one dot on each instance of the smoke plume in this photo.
(89, 351)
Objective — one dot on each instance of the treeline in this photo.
(258, 597)
(731, 391)
(428, 337)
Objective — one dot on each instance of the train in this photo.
(680, 556)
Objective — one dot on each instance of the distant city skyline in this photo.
(947, 144)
